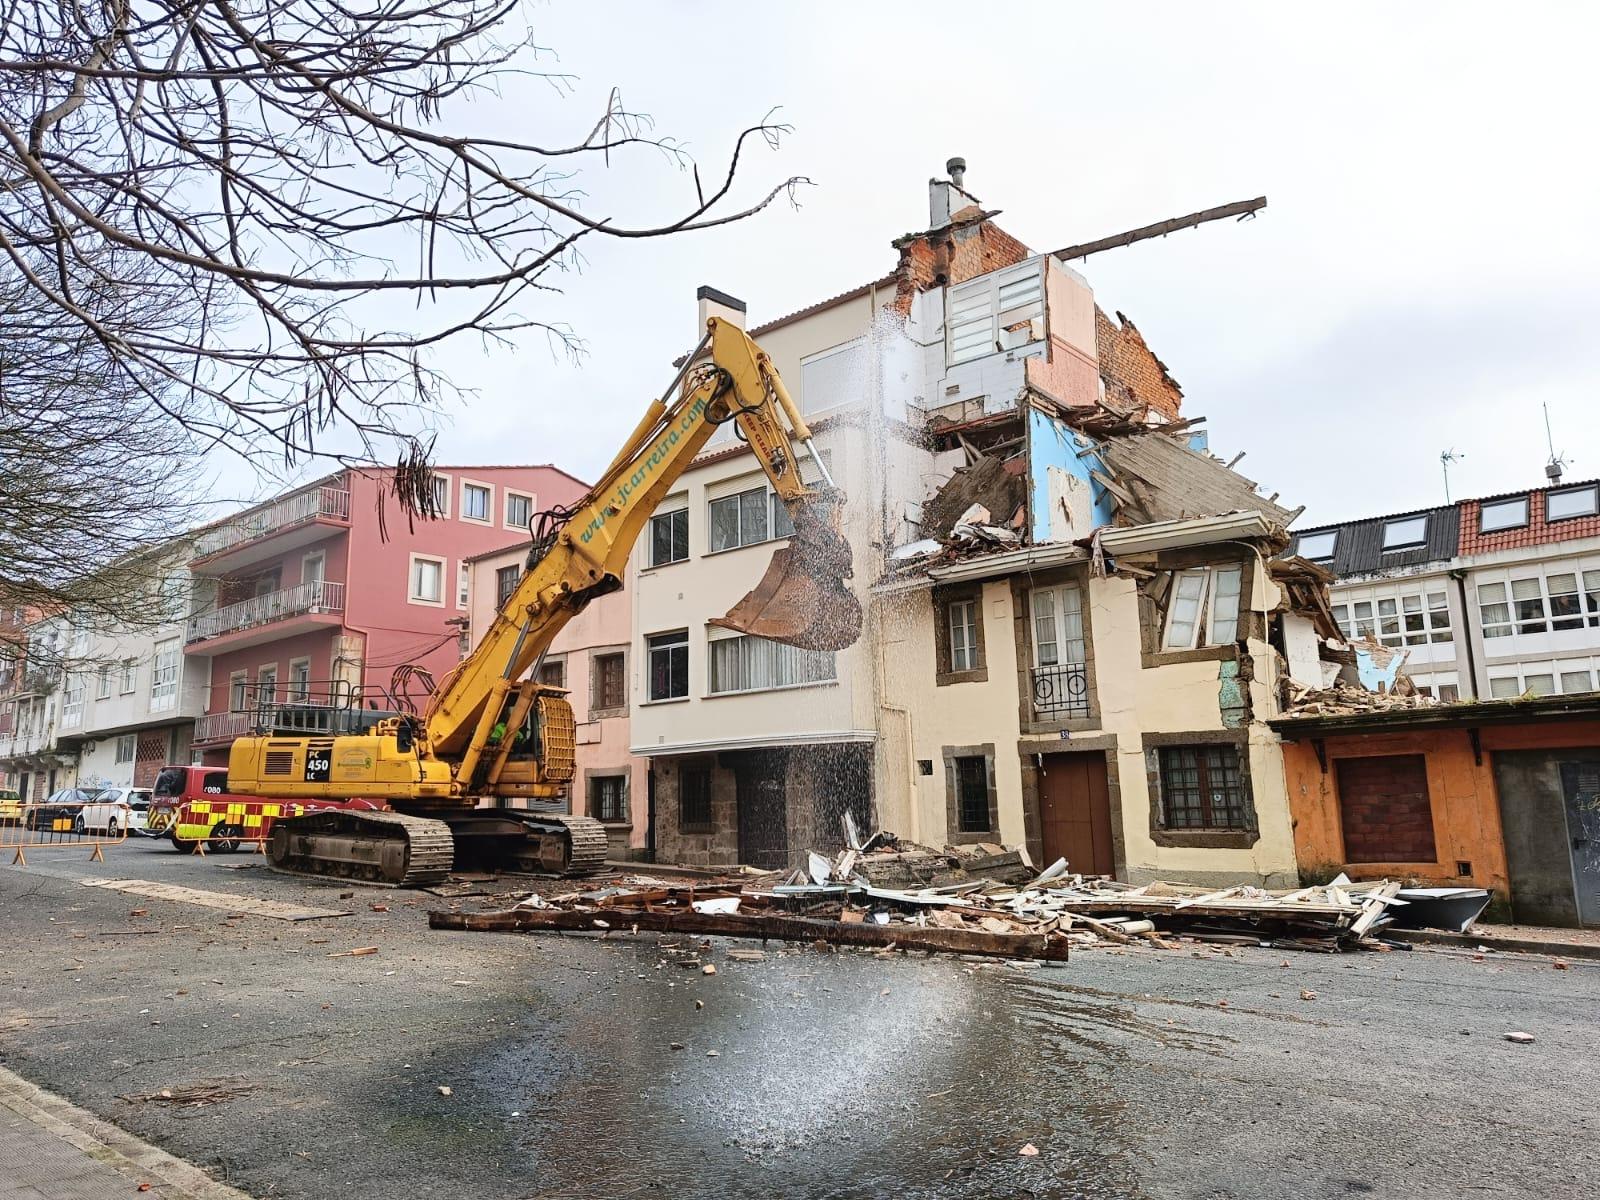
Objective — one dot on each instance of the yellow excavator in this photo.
(481, 773)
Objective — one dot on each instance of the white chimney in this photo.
(947, 196)
(712, 303)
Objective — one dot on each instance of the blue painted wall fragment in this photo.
(1231, 695)
(1372, 675)
(1055, 445)
(1199, 441)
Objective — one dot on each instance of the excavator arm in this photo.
(802, 600)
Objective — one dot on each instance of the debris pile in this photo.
(979, 900)
(1342, 699)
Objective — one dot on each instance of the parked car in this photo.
(10, 806)
(109, 812)
(136, 818)
(62, 805)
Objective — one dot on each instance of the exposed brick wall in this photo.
(971, 245)
(1536, 532)
(1385, 810)
(1133, 375)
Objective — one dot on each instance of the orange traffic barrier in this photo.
(26, 826)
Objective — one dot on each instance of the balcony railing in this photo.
(285, 514)
(289, 714)
(317, 596)
(1060, 691)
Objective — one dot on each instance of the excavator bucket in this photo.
(802, 600)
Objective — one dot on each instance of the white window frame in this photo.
(128, 677)
(978, 312)
(1557, 670)
(1061, 618)
(502, 593)
(102, 684)
(1517, 503)
(267, 683)
(811, 404)
(412, 595)
(1205, 607)
(509, 494)
(320, 558)
(772, 507)
(488, 503)
(961, 629)
(1333, 544)
(463, 584)
(299, 689)
(665, 515)
(131, 741)
(239, 691)
(166, 665)
(1399, 528)
(72, 694)
(680, 638)
(444, 485)
(1589, 490)
(803, 667)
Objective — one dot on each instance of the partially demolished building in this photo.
(1074, 637)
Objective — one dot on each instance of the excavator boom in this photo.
(492, 733)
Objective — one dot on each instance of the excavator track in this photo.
(406, 851)
(378, 847)
(585, 840)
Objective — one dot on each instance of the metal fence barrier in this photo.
(37, 825)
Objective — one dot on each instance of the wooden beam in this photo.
(1240, 209)
(1051, 946)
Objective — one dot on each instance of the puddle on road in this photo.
(821, 1085)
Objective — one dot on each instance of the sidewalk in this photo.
(52, 1150)
(1530, 939)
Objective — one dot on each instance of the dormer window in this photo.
(1571, 502)
(1405, 533)
(1318, 547)
(1503, 514)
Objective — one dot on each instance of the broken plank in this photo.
(793, 929)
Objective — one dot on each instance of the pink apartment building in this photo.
(590, 659)
(305, 602)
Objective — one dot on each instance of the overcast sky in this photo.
(1426, 275)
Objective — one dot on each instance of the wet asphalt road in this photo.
(834, 1074)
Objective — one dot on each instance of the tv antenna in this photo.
(1558, 462)
(1445, 459)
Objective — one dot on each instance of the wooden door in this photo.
(1075, 812)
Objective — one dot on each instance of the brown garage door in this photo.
(1385, 810)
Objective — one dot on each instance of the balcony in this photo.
(1060, 692)
(300, 511)
(273, 614)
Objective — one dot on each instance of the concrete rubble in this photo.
(982, 900)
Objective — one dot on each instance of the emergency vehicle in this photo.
(193, 807)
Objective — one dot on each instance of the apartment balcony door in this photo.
(1075, 812)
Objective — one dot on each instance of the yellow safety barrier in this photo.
(26, 826)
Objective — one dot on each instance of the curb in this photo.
(108, 1144)
(1438, 937)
